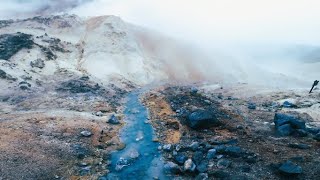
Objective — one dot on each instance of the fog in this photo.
(260, 41)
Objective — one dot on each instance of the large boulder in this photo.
(200, 119)
(295, 122)
(290, 168)
(286, 124)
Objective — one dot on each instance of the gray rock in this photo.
(203, 166)
(290, 168)
(99, 113)
(171, 167)
(194, 146)
(121, 163)
(189, 166)
(24, 85)
(134, 154)
(317, 137)
(178, 147)
(200, 119)
(12, 43)
(113, 120)
(211, 153)
(288, 104)
(284, 130)
(234, 151)
(223, 163)
(295, 122)
(167, 147)
(252, 106)
(180, 158)
(86, 133)
(300, 146)
(202, 176)
(39, 63)
(197, 157)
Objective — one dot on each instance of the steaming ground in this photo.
(64, 77)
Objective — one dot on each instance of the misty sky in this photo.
(224, 22)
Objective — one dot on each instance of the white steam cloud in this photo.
(255, 36)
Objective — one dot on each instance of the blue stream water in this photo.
(149, 164)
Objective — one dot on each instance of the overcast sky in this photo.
(200, 21)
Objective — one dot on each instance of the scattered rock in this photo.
(211, 153)
(252, 106)
(24, 85)
(197, 157)
(203, 166)
(86, 133)
(39, 63)
(3, 75)
(300, 146)
(301, 133)
(290, 168)
(121, 163)
(317, 137)
(200, 119)
(180, 158)
(167, 147)
(134, 154)
(281, 119)
(288, 104)
(194, 146)
(113, 120)
(12, 43)
(171, 167)
(189, 166)
(223, 163)
(234, 151)
(284, 130)
(202, 176)
(99, 114)
(78, 86)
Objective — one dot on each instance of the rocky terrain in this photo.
(219, 134)
(65, 81)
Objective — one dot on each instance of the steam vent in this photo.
(162, 91)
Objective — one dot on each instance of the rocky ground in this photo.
(64, 128)
(230, 133)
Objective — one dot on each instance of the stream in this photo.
(140, 159)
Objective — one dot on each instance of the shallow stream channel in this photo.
(140, 159)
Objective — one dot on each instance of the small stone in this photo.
(203, 166)
(219, 156)
(86, 133)
(211, 153)
(171, 167)
(194, 146)
(234, 151)
(317, 137)
(202, 176)
(99, 113)
(134, 154)
(189, 166)
(197, 157)
(178, 147)
(167, 147)
(252, 106)
(121, 163)
(159, 148)
(113, 120)
(180, 159)
(290, 168)
(300, 146)
(284, 130)
(223, 163)
(288, 104)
